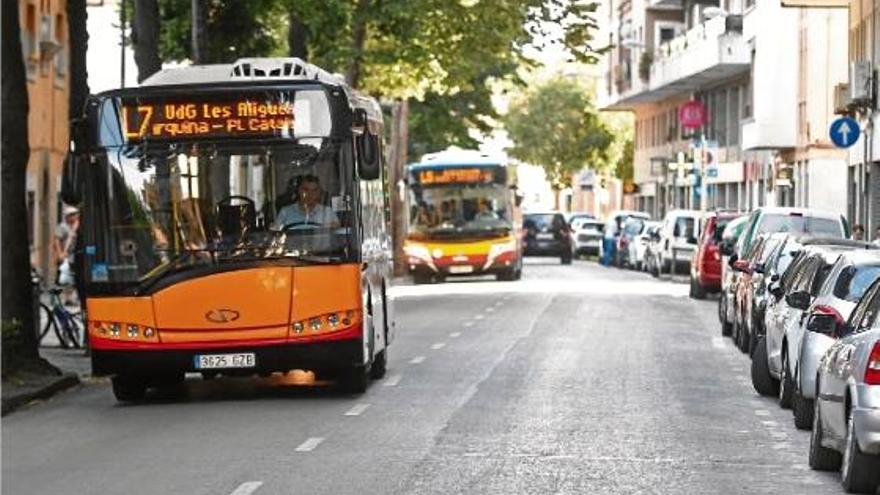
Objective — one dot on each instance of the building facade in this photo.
(45, 49)
(752, 66)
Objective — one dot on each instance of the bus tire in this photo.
(127, 388)
(380, 365)
(354, 379)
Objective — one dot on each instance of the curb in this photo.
(18, 400)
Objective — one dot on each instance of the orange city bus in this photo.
(463, 217)
(234, 222)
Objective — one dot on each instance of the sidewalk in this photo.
(26, 387)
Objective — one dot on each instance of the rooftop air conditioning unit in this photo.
(860, 81)
(841, 98)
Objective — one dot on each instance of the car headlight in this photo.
(417, 251)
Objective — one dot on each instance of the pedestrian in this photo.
(63, 246)
(858, 232)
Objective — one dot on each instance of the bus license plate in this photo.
(216, 361)
(461, 269)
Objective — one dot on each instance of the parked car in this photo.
(578, 217)
(847, 282)
(626, 242)
(613, 228)
(547, 234)
(706, 263)
(806, 275)
(678, 240)
(795, 221)
(729, 248)
(587, 236)
(639, 245)
(652, 245)
(750, 290)
(846, 422)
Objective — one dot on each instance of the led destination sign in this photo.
(208, 119)
(456, 176)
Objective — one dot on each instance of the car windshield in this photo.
(168, 208)
(801, 224)
(855, 280)
(539, 221)
(633, 227)
(591, 227)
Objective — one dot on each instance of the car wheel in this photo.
(762, 380)
(859, 472)
(128, 388)
(803, 411)
(744, 338)
(786, 385)
(821, 458)
(380, 365)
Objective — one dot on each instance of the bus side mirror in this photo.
(71, 185)
(369, 159)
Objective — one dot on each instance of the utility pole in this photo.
(198, 31)
(122, 22)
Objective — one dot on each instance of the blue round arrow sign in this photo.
(844, 132)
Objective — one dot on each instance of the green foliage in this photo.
(234, 28)
(555, 126)
(624, 169)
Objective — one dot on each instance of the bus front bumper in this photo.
(313, 356)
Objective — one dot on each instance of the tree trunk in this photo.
(358, 39)
(77, 20)
(16, 294)
(556, 192)
(397, 156)
(298, 38)
(145, 37)
(198, 32)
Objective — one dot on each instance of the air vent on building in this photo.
(860, 81)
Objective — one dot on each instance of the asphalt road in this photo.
(577, 379)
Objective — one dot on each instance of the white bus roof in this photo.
(244, 69)
(455, 156)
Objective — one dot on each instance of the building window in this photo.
(61, 55)
(733, 116)
(29, 40)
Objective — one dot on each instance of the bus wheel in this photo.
(354, 379)
(380, 365)
(128, 388)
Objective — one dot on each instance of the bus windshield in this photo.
(460, 209)
(174, 207)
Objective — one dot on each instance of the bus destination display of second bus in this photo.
(207, 119)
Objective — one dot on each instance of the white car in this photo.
(679, 233)
(587, 236)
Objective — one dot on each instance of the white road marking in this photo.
(247, 488)
(499, 304)
(781, 446)
(357, 410)
(770, 424)
(479, 317)
(490, 309)
(455, 335)
(718, 342)
(310, 444)
(779, 435)
(438, 346)
(417, 360)
(762, 412)
(468, 324)
(392, 381)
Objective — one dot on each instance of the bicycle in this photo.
(67, 324)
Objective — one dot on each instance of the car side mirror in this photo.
(733, 259)
(799, 300)
(726, 249)
(693, 240)
(742, 266)
(369, 156)
(775, 288)
(759, 268)
(775, 277)
(823, 324)
(71, 179)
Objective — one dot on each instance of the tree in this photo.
(555, 126)
(19, 336)
(145, 38)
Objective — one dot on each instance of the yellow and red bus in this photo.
(233, 222)
(463, 217)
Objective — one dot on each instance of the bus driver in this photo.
(307, 211)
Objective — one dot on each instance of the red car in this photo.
(706, 263)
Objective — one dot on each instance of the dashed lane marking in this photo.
(479, 317)
(718, 342)
(357, 410)
(438, 346)
(490, 309)
(310, 444)
(455, 335)
(770, 424)
(392, 380)
(762, 412)
(417, 360)
(247, 488)
(468, 324)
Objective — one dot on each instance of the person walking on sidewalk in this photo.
(63, 246)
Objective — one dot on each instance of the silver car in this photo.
(845, 285)
(587, 236)
(846, 420)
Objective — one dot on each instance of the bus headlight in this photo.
(417, 251)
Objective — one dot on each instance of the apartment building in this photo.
(45, 46)
(748, 64)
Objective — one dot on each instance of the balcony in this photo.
(711, 52)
